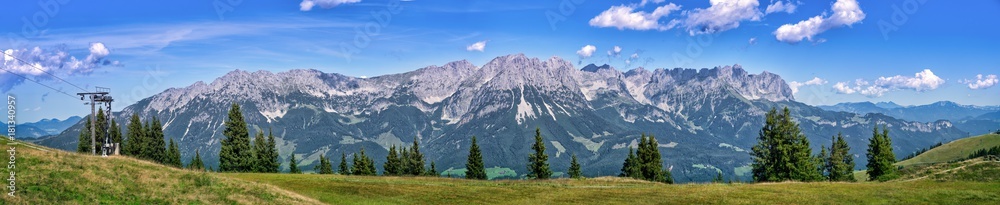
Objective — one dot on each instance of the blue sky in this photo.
(906, 51)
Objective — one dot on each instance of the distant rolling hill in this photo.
(955, 150)
(943, 110)
(44, 127)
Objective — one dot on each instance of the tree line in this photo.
(143, 140)
(782, 153)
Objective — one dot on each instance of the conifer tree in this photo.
(824, 163)
(173, 156)
(474, 167)
(538, 162)
(631, 166)
(841, 162)
(782, 151)
(196, 163)
(236, 154)
(343, 168)
(363, 165)
(880, 156)
(650, 162)
(392, 162)
(416, 160)
(135, 139)
(574, 169)
(84, 144)
(156, 150)
(102, 130)
(433, 171)
(293, 166)
(718, 178)
(116, 133)
(271, 160)
(260, 149)
(325, 167)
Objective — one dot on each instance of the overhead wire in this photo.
(43, 70)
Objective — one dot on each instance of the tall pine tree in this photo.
(392, 163)
(156, 150)
(416, 161)
(574, 169)
(880, 156)
(782, 151)
(102, 130)
(173, 156)
(135, 139)
(841, 163)
(116, 134)
(293, 166)
(236, 154)
(474, 167)
(260, 150)
(631, 166)
(271, 162)
(196, 163)
(324, 166)
(538, 162)
(650, 161)
(343, 168)
(84, 145)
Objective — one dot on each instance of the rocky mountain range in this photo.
(705, 119)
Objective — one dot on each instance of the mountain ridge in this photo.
(706, 119)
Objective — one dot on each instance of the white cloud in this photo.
(781, 6)
(794, 85)
(615, 52)
(644, 2)
(753, 41)
(55, 61)
(721, 16)
(922, 81)
(586, 51)
(626, 17)
(845, 13)
(478, 46)
(843, 88)
(980, 82)
(307, 5)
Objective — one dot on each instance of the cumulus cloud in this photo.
(794, 85)
(922, 81)
(478, 46)
(307, 5)
(722, 15)
(56, 61)
(752, 41)
(615, 52)
(586, 51)
(781, 6)
(845, 13)
(980, 82)
(626, 17)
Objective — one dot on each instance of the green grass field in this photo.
(955, 150)
(56, 177)
(47, 176)
(335, 189)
